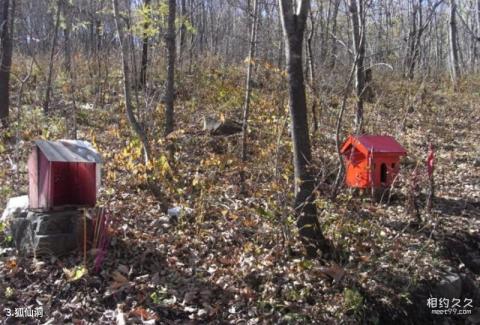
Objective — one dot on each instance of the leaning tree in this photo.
(293, 16)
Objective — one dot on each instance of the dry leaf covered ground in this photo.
(236, 258)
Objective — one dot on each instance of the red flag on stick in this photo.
(430, 160)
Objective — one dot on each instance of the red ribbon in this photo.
(430, 160)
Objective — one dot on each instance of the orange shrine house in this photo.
(371, 160)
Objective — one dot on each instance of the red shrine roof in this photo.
(373, 143)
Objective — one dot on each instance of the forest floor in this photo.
(236, 257)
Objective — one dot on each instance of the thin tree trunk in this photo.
(133, 53)
(126, 83)
(305, 210)
(248, 89)
(72, 130)
(323, 33)
(183, 33)
(170, 89)
(311, 71)
(202, 26)
(143, 68)
(311, 63)
(411, 43)
(6, 59)
(356, 11)
(416, 42)
(478, 16)
(454, 51)
(99, 87)
(66, 35)
(333, 53)
(341, 166)
(46, 102)
(281, 51)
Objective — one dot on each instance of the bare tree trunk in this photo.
(281, 51)
(311, 63)
(183, 33)
(333, 53)
(143, 68)
(414, 40)
(248, 89)
(356, 11)
(454, 56)
(46, 102)
(202, 26)
(6, 59)
(323, 32)
(170, 89)
(341, 166)
(478, 16)
(311, 71)
(71, 129)
(133, 52)
(293, 24)
(415, 36)
(66, 35)
(99, 85)
(193, 40)
(126, 83)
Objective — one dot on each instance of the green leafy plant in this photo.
(353, 301)
(162, 297)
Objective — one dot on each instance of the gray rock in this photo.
(43, 233)
(58, 222)
(177, 213)
(16, 207)
(164, 220)
(221, 127)
(210, 123)
(449, 287)
(57, 244)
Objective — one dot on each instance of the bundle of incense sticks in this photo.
(101, 238)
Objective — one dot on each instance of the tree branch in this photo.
(302, 12)
(469, 30)
(430, 16)
(286, 13)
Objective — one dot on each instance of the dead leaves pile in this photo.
(234, 258)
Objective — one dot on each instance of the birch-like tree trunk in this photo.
(333, 53)
(311, 71)
(127, 85)
(6, 58)
(248, 87)
(310, 56)
(478, 16)
(71, 117)
(454, 50)
(170, 89)
(183, 32)
(144, 64)
(46, 102)
(356, 15)
(293, 23)
(414, 40)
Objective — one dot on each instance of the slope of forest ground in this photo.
(236, 258)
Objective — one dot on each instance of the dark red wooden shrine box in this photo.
(62, 174)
